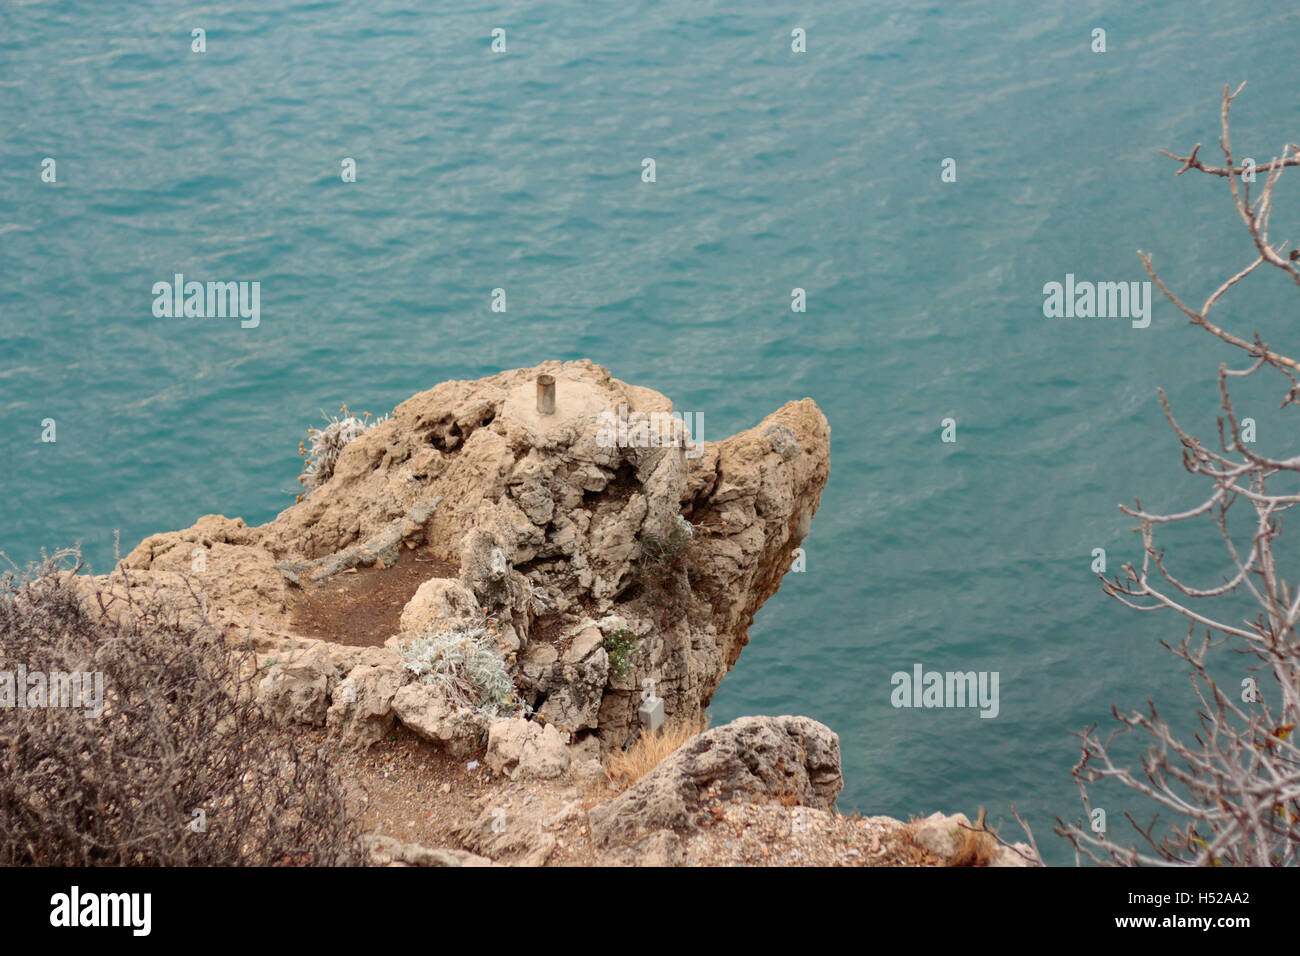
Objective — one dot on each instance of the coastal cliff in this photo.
(520, 576)
(561, 536)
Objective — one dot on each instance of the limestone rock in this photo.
(1016, 855)
(459, 730)
(362, 708)
(552, 524)
(577, 685)
(942, 836)
(386, 851)
(777, 756)
(520, 748)
(439, 601)
(939, 834)
(661, 848)
(298, 689)
(515, 836)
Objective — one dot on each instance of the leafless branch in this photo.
(1231, 793)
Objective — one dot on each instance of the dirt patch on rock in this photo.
(362, 607)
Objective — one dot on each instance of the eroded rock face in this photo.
(517, 838)
(518, 747)
(794, 757)
(441, 600)
(576, 545)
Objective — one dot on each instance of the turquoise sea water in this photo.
(775, 170)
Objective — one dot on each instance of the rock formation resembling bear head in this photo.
(612, 552)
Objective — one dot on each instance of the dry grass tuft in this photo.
(976, 845)
(974, 848)
(628, 766)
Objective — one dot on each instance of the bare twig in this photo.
(1233, 790)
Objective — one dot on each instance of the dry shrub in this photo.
(179, 732)
(595, 792)
(628, 766)
(974, 848)
(976, 845)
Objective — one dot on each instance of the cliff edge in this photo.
(610, 553)
(506, 582)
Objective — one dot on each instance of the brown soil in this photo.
(408, 789)
(363, 607)
(414, 792)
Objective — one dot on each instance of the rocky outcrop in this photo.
(758, 791)
(790, 757)
(605, 556)
(593, 562)
(351, 690)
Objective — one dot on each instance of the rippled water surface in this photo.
(774, 171)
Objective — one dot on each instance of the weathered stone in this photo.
(386, 851)
(940, 834)
(778, 756)
(524, 748)
(576, 692)
(543, 514)
(298, 689)
(458, 730)
(584, 642)
(509, 835)
(362, 710)
(439, 601)
(661, 848)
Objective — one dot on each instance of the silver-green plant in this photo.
(327, 443)
(464, 664)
